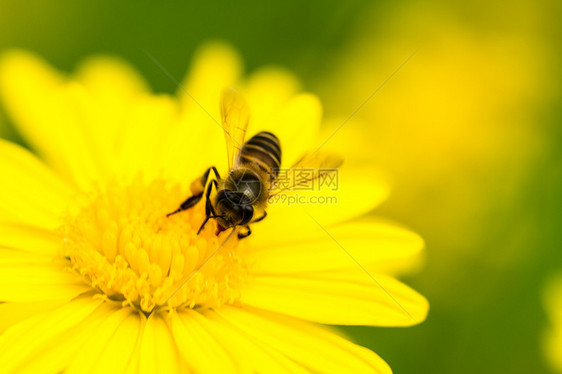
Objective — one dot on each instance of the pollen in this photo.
(122, 243)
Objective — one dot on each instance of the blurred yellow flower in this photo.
(89, 260)
(553, 339)
(468, 128)
(458, 126)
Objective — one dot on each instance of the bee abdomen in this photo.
(264, 150)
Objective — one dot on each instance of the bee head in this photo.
(233, 208)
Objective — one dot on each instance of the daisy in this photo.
(95, 278)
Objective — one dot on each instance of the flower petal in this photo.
(347, 298)
(215, 67)
(112, 81)
(31, 194)
(13, 313)
(26, 278)
(251, 356)
(47, 341)
(158, 352)
(112, 346)
(267, 91)
(270, 94)
(296, 123)
(307, 344)
(143, 132)
(192, 145)
(377, 246)
(115, 89)
(357, 192)
(196, 141)
(53, 114)
(198, 347)
(29, 239)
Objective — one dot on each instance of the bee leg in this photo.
(208, 206)
(260, 218)
(191, 201)
(244, 234)
(206, 174)
(209, 210)
(197, 188)
(245, 231)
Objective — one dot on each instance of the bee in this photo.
(242, 196)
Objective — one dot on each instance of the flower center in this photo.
(123, 244)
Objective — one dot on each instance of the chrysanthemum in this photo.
(89, 260)
(553, 338)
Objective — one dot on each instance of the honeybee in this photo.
(254, 166)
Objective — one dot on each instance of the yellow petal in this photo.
(112, 346)
(78, 125)
(158, 352)
(26, 278)
(198, 347)
(115, 89)
(191, 146)
(354, 298)
(305, 343)
(193, 143)
(276, 107)
(29, 239)
(251, 356)
(355, 192)
(31, 193)
(112, 81)
(197, 141)
(52, 114)
(45, 342)
(57, 353)
(12, 313)
(141, 149)
(215, 66)
(267, 91)
(348, 134)
(378, 247)
(296, 123)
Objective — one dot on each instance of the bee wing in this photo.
(307, 169)
(235, 115)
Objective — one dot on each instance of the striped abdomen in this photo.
(264, 151)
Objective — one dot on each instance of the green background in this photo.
(485, 267)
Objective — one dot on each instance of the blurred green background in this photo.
(469, 128)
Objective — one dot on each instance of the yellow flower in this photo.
(553, 339)
(447, 124)
(89, 262)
